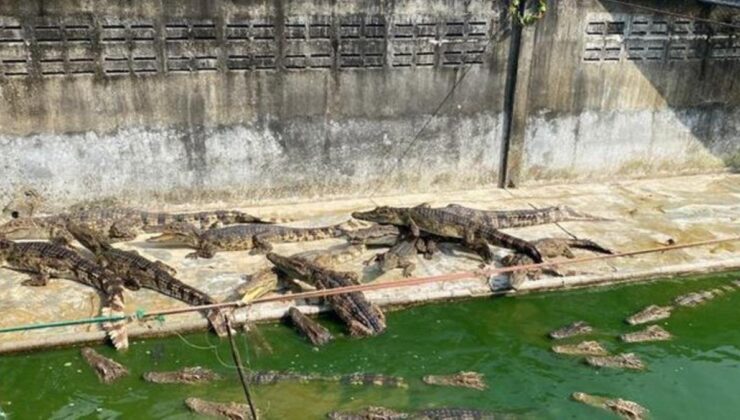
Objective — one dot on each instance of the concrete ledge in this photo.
(646, 214)
(461, 289)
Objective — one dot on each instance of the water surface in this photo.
(697, 375)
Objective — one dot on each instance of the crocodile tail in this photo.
(116, 330)
(496, 237)
(570, 214)
(115, 307)
(589, 245)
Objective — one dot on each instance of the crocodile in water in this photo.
(315, 332)
(43, 260)
(651, 333)
(108, 370)
(230, 410)
(187, 375)
(473, 380)
(444, 413)
(620, 361)
(650, 314)
(571, 330)
(623, 408)
(584, 348)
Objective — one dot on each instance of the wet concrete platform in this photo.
(645, 214)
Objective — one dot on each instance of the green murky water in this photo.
(697, 375)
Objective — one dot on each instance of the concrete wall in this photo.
(256, 100)
(606, 91)
(202, 100)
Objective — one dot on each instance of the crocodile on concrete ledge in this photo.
(550, 248)
(138, 272)
(501, 219)
(256, 237)
(43, 260)
(116, 224)
(362, 317)
(438, 222)
(402, 254)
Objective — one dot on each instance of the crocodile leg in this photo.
(261, 244)
(204, 250)
(407, 266)
(37, 279)
(589, 245)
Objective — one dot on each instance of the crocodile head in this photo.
(384, 215)
(88, 238)
(24, 204)
(178, 233)
(293, 267)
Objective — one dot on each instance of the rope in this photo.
(239, 368)
(465, 275)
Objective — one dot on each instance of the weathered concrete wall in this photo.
(254, 101)
(608, 91)
(260, 100)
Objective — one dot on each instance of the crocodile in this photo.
(472, 380)
(43, 260)
(623, 408)
(401, 255)
(376, 235)
(24, 204)
(108, 370)
(272, 377)
(475, 235)
(362, 317)
(374, 379)
(315, 332)
(257, 285)
(650, 314)
(694, 298)
(571, 330)
(138, 271)
(230, 410)
(117, 224)
(550, 248)
(187, 375)
(651, 333)
(622, 361)
(501, 219)
(369, 413)
(385, 235)
(443, 413)
(584, 348)
(253, 236)
(454, 413)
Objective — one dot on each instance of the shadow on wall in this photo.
(694, 64)
(654, 88)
